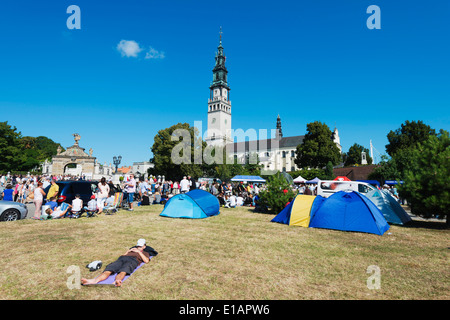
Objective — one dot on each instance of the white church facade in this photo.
(274, 154)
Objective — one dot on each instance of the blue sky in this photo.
(305, 60)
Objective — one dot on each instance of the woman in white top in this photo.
(38, 198)
(103, 194)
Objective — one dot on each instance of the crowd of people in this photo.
(230, 195)
(30, 189)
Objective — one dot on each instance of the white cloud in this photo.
(129, 48)
(154, 54)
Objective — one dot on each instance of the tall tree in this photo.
(408, 135)
(387, 169)
(11, 157)
(18, 153)
(426, 180)
(177, 152)
(317, 148)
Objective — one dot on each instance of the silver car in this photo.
(12, 211)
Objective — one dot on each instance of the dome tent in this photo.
(391, 209)
(298, 211)
(195, 204)
(349, 211)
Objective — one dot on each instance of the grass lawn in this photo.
(238, 254)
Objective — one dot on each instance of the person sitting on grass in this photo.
(77, 206)
(91, 206)
(123, 266)
(109, 203)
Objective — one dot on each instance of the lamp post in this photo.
(116, 161)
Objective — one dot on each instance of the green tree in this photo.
(408, 135)
(277, 193)
(426, 180)
(329, 175)
(387, 169)
(46, 147)
(228, 167)
(11, 157)
(353, 156)
(317, 148)
(401, 143)
(176, 156)
(37, 150)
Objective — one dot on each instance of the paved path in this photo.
(31, 207)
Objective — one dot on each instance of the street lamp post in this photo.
(116, 161)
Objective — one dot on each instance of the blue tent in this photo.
(349, 211)
(195, 204)
(247, 179)
(391, 209)
(315, 180)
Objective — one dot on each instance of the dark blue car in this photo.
(68, 190)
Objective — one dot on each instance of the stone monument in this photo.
(74, 160)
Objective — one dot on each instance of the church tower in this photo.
(219, 104)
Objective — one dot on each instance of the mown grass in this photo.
(238, 254)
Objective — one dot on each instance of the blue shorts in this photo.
(131, 197)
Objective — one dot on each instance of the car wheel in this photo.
(10, 215)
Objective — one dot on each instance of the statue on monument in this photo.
(77, 138)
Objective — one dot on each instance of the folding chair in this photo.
(118, 197)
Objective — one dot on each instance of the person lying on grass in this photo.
(54, 214)
(123, 266)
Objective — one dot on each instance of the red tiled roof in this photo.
(355, 173)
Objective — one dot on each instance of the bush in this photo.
(277, 194)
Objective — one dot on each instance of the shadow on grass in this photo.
(427, 224)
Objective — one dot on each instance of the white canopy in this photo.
(299, 179)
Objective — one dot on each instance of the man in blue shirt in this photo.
(52, 203)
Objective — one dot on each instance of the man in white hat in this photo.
(124, 265)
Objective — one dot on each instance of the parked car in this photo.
(68, 189)
(326, 188)
(12, 211)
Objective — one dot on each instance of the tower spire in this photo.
(279, 131)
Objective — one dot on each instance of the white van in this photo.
(326, 188)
